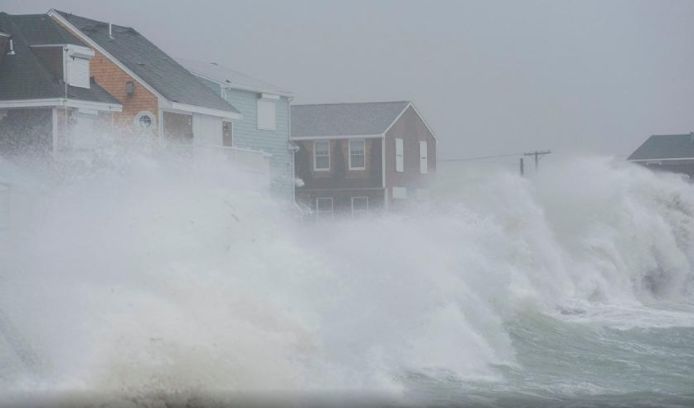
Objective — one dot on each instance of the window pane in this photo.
(324, 206)
(227, 133)
(360, 205)
(322, 162)
(356, 151)
(321, 155)
(322, 147)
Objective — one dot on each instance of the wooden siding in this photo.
(340, 176)
(411, 128)
(275, 142)
(342, 199)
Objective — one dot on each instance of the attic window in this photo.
(77, 65)
(145, 120)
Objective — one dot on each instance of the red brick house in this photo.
(356, 157)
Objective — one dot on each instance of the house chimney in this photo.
(11, 50)
(110, 31)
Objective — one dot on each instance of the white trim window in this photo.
(360, 205)
(324, 207)
(399, 155)
(321, 155)
(423, 159)
(357, 154)
(145, 120)
(267, 114)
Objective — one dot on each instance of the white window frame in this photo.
(423, 157)
(363, 150)
(269, 122)
(399, 155)
(315, 162)
(360, 211)
(325, 213)
(136, 120)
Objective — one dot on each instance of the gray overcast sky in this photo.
(491, 77)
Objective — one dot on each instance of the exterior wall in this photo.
(685, 167)
(26, 131)
(113, 79)
(275, 142)
(339, 182)
(412, 130)
(340, 176)
(342, 199)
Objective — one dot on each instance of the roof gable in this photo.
(345, 119)
(665, 147)
(150, 63)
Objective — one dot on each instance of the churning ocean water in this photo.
(143, 277)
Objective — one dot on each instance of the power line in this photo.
(481, 157)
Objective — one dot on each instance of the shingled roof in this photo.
(345, 119)
(23, 76)
(230, 78)
(150, 63)
(665, 147)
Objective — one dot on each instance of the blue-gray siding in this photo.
(276, 142)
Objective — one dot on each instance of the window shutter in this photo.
(423, 160)
(399, 155)
(267, 114)
(78, 72)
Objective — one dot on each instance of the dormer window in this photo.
(77, 65)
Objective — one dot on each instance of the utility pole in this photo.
(522, 167)
(537, 154)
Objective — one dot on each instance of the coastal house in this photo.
(357, 157)
(673, 153)
(47, 96)
(158, 95)
(265, 122)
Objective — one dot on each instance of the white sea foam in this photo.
(155, 273)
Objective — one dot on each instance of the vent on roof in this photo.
(11, 50)
(110, 31)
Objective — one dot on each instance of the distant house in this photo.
(673, 153)
(356, 157)
(265, 123)
(158, 95)
(47, 98)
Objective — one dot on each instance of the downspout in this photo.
(65, 94)
(292, 166)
